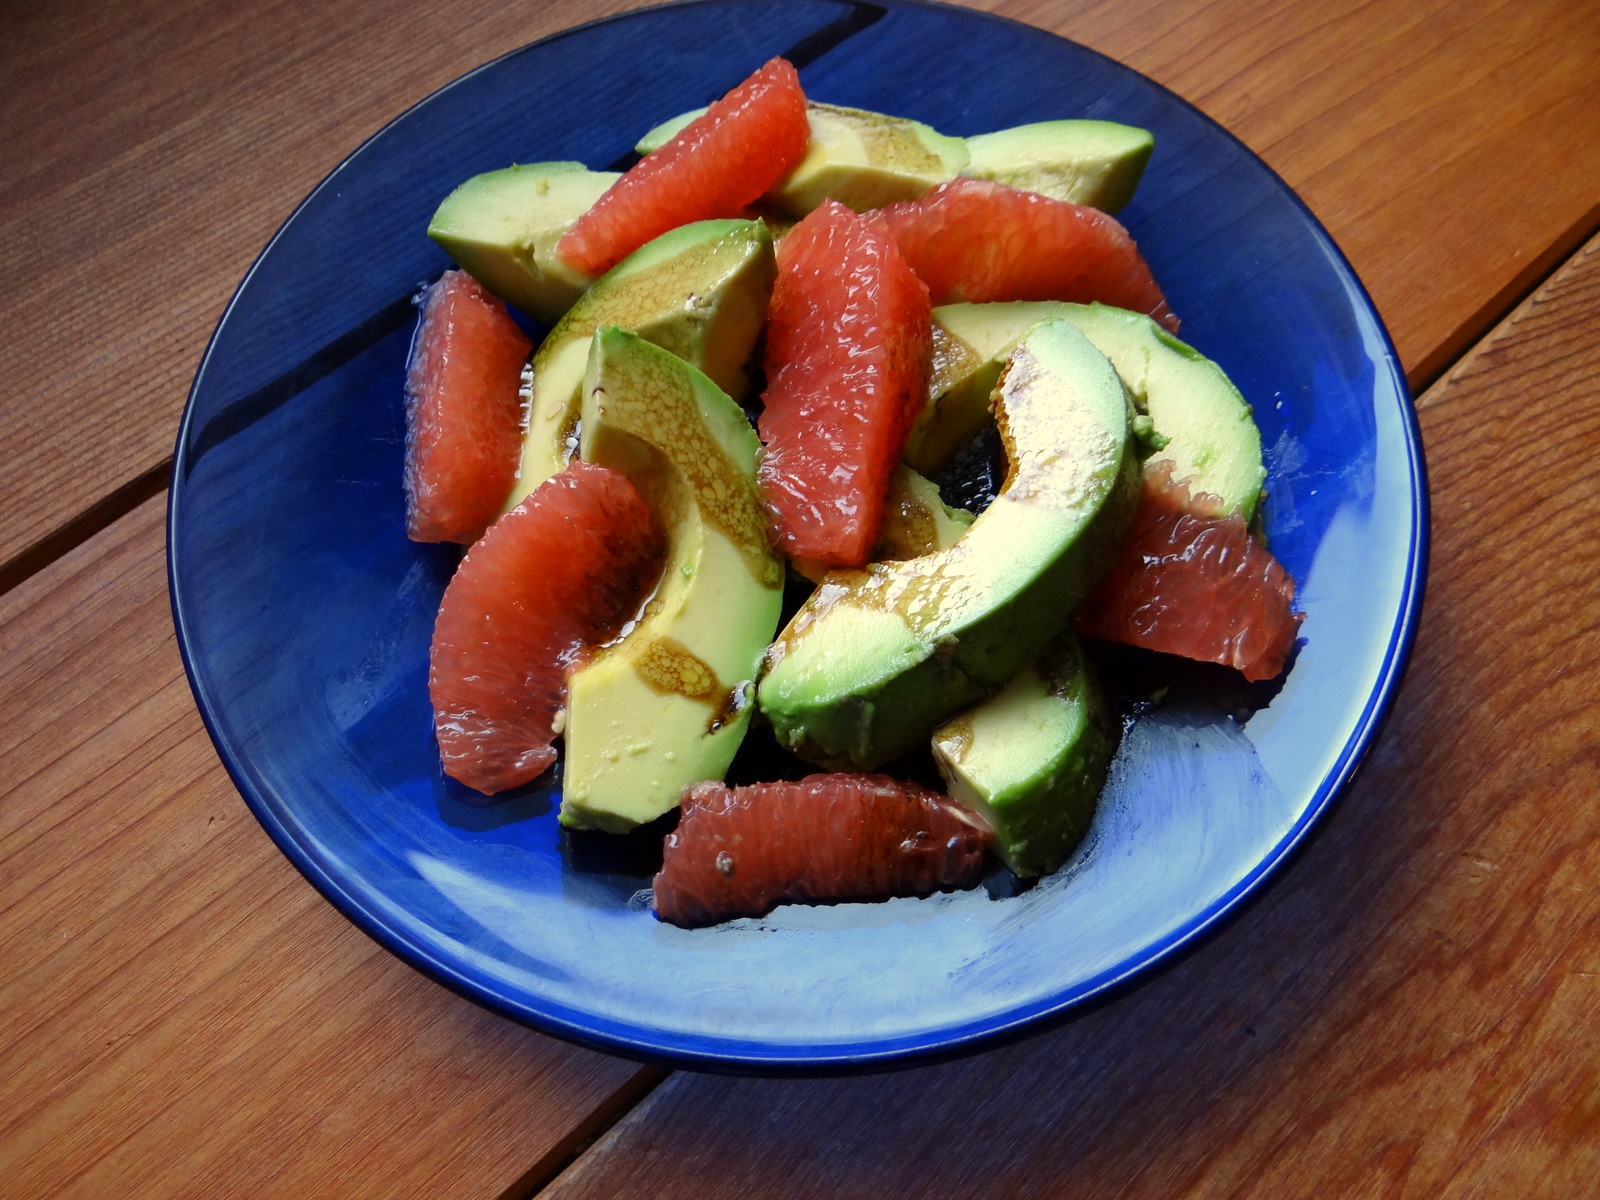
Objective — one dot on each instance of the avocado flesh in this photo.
(1212, 443)
(668, 704)
(916, 521)
(865, 160)
(1098, 163)
(666, 131)
(700, 291)
(1032, 759)
(876, 657)
(503, 226)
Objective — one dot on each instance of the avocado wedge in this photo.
(668, 704)
(916, 521)
(700, 291)
(876, 657)
(1207, 435)
(1033, 758)
(503, 226)
(1098, 163)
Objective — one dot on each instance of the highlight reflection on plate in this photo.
(304, 614)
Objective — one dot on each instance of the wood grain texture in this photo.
(181, 1015)
(1410, 1012)
(151, 148)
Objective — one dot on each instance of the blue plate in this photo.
(304, 614)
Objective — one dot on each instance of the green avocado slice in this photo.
(1098, 163)
(503, 226)
(916, 521)
(1033, 758)
(668, 704)
(875, 658)
(700, 291)
(865, 160)
(1208, 437)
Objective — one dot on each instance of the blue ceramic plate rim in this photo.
(960, 1038)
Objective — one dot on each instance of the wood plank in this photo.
(181, 1015)
(1409, 1012)
(152, 148)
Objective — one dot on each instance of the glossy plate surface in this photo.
(304, 614)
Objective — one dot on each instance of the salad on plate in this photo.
(714, 496)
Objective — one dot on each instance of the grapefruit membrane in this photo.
(463, 411)
(849, 337)
(972, 240)
(714, 167)
(1191, 583)
(740, 851)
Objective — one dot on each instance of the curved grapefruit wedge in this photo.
(978, 241)
(463, 411)
(715, 166)
(557, 574)
(1196, 585)
(848, 342)
(737, 852)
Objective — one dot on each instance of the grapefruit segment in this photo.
(715, 166)
(557, 574)
(848, 341)
(738, 852)
(978, 241)
(1195, 584)
(463, 411)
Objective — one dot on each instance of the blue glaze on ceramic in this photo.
(304, 614)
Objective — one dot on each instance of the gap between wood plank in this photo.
(105, 511)
(1503, 303)
(598, 1123)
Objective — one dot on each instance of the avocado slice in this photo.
(503, 226)
(1032, 759)
(875, 658)
(916, 521)
(668, 704)
(865, 160)
(700, 291)
(1098, 163)
(666, 131)
(1208, 436)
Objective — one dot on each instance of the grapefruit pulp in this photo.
(848, 342)
(463, 411)
(737, 852)
(715, 166)
(557, 574)
(971, 240)
(1196, 585)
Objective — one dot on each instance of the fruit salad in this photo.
(710, 497)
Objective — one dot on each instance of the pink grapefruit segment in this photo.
(737, 852)
(1195, 585)
(463, 411)
(979, 241)
(716, 165)
(557, 574)
(848, 341)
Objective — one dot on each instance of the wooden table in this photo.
(1414, 1010)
